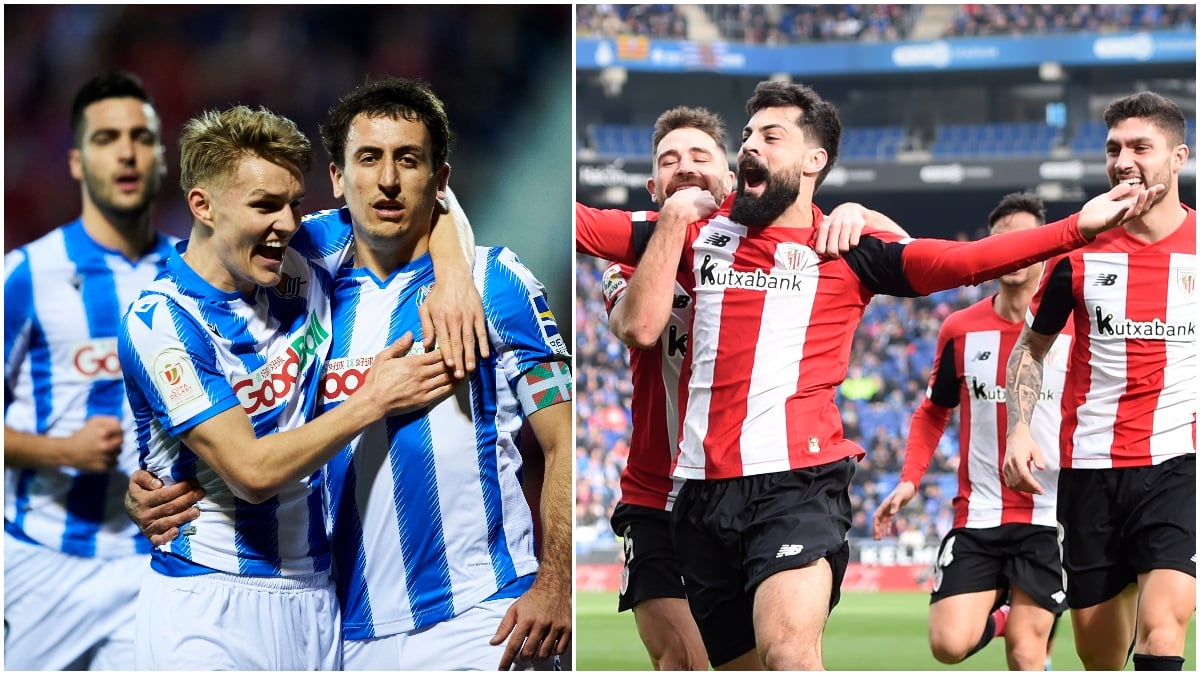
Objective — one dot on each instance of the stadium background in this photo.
(503, 72)
(945, 108)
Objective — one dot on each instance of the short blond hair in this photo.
(213, 143)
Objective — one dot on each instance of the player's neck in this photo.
(1012, 301)
(132, 235)
(799, 214)
(1160, 221)
(382, 256)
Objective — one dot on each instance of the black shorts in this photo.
(984, 559)
(1119, 523)
(732, 534)
(651, 570)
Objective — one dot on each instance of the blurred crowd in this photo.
(974, 20)
(890, 363)
(791, 24)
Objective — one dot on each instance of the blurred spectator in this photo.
(976, 20)
(605, 20)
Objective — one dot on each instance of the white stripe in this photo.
(985, 503)
(1176, 410)
(1097, 415)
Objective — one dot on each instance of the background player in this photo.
(1003, 542)
(1127, 487)
(73, 562)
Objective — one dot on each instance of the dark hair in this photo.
(683, 117)
(392, 97)
(113, 84)
(818, 117)
(1018, 202)
(1159, 110)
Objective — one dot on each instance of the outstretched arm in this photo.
(839, 231)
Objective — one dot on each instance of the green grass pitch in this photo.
(868, 631)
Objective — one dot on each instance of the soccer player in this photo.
(222, 357)
(72, 562)
(760, 525)
(1004, 544)
(1127, 486)
(432, 534)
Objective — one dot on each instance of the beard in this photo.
(778, 196)
(104, 195)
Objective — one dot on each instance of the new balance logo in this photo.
(1105, 280)
(1058, 596)
(789, 550)
(982, 356)
(718, 240)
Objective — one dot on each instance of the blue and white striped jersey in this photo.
(64, 295)
(192, 351)
(427, 513)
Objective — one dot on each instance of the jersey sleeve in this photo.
(171, 366)
(617, 236)
(324, 238)
(1055, 299)
(932, 416)
(524, 332)
(18, 316)
(910, 267)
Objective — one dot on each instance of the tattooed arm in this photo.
(1023, 386)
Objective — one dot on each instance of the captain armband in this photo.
(544, 385)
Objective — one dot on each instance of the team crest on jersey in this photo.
(1186, 279)
(290, 287)
(549, 325)
(793, 257)
(423, 293)
(175, 378)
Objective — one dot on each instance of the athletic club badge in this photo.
(1186, 279)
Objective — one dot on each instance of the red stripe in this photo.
(963, 501)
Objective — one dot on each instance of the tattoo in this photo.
(1023, 378)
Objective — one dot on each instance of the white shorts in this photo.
(459, 643)
(66, 612)
(228, 622)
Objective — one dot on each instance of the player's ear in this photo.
(200, 205)
(817, 159)
(75, 162)
(335, 177)
(650, 189)
(729, 181)
(442, 175)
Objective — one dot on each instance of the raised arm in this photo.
(646, 309)
(839, 231)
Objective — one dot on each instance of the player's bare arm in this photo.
(256, 468)
(538, 624)
(159, 511)
(92, 448)
(646, 309)
(1023, 386)
(453, 313)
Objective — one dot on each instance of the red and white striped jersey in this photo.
(773, 324)
(646, 480)
(1130, 397)
(972, 357)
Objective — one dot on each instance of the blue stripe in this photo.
(349, 551)
(419, 520)
(256, 536)
(483, 407)
(24, 478)
(318, 542)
